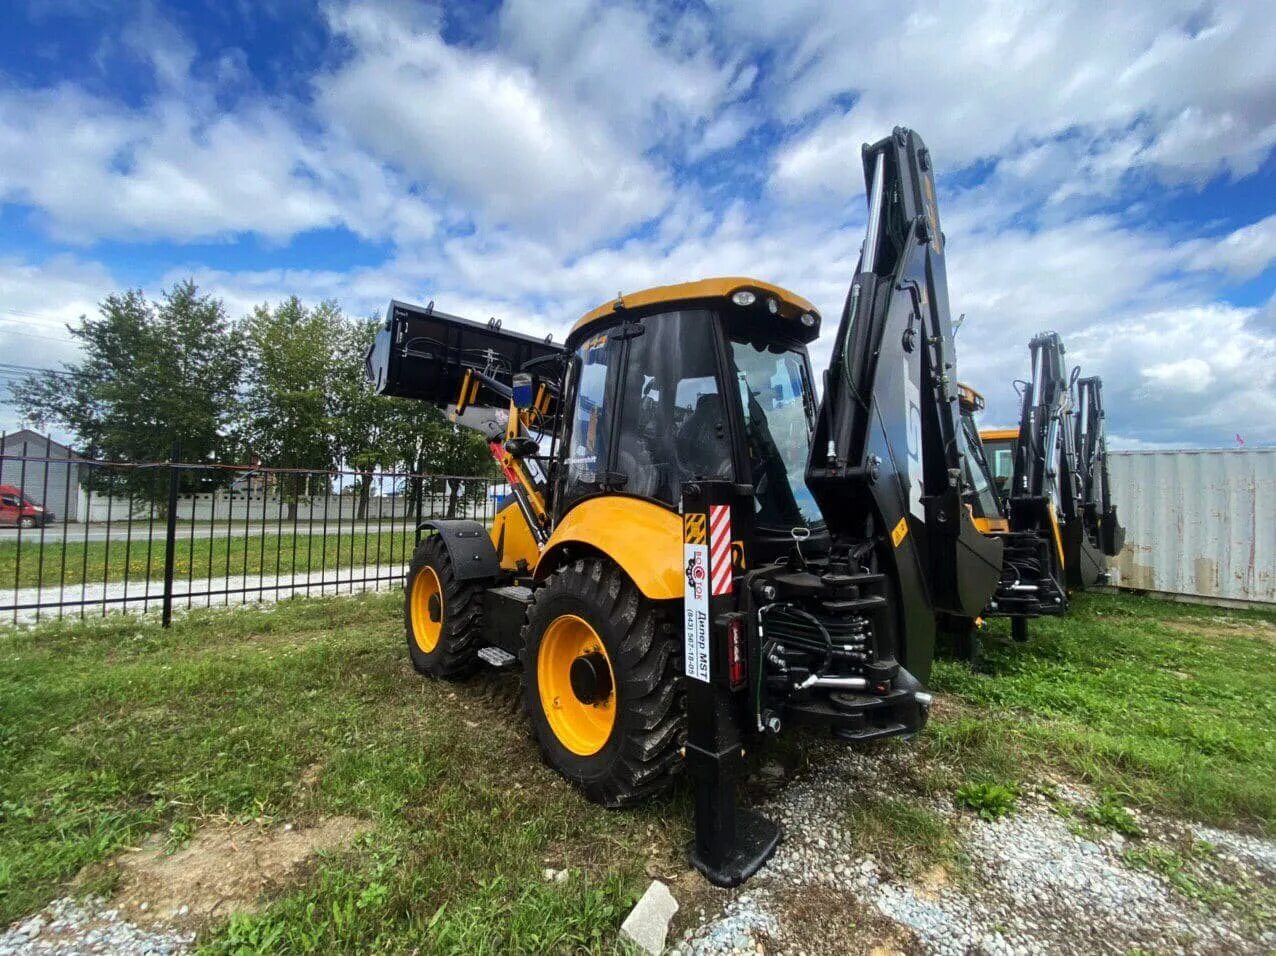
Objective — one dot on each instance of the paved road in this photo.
(78, 533)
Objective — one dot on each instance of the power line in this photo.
(32, 335)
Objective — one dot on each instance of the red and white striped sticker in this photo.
(720, 549)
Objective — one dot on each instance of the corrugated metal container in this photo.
(1199, 524)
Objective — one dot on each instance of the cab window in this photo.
(648, 413)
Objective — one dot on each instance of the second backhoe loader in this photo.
(697, 549)
(1062, 522)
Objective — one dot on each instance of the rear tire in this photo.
(619, 745)
(441, 615)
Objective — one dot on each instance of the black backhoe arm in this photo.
(1046, 453)
(885, 463)
(1092, 456)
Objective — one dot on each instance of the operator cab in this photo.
(981, 493)
(999, 448)
(705, 380)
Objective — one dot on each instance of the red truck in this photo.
(17, 509)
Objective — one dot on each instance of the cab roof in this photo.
(791, 305)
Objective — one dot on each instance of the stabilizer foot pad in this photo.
(756, 838)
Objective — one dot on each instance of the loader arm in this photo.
(468, 369)
(885, 464)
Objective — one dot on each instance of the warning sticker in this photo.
(695, 633)
(720, 548)
(899, 532)
(694, 528)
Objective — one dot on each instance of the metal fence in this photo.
(173, 534)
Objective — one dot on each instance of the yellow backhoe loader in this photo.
(696, 548)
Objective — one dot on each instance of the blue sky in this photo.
(1106, 170)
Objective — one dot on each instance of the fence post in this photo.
(170, 534)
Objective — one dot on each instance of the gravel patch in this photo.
(1029, 883)
(70, 927)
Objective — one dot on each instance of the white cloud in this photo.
(1192, 84)
(1243, 254)
(541, 167)
(486, 129)
(37, 302)
(183, 170)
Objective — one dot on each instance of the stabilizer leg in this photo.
(730, 843)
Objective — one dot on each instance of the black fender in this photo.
(468, 545)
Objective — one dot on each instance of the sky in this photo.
(1106, 170)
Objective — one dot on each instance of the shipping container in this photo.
(1200, 524)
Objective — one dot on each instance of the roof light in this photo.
(808, 319)
(773, 306)
(744, 298)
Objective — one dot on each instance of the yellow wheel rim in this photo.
(580, 726)
(427, 610)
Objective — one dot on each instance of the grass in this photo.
(1192, 870)
(199, 558)
(911, 838)
(116, 729)
(1171, 706)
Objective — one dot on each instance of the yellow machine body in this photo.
(515, 545)
(643, 538)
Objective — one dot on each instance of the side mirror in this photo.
(524, 392)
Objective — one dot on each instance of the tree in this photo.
(152, 373)
(286, 409)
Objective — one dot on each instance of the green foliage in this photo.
(1109, 812)
(991, 801)
(285, 386)
(152, 373)
(287, 410)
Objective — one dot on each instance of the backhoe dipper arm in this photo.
(1045, 455)
(885, 464)
(1092, 454)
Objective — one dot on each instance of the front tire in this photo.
(26, 522)
(441, 615)
(601, 684)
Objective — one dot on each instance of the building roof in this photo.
(12, 443)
